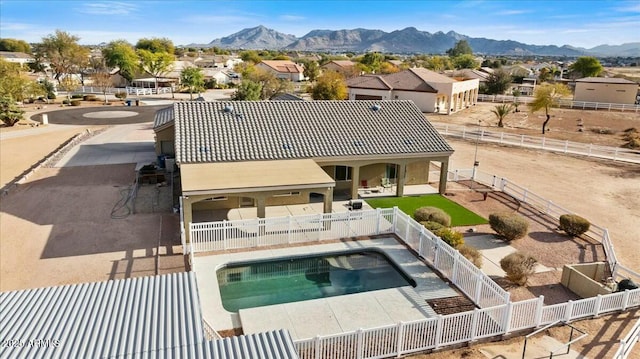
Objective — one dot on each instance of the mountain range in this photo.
(408, 40)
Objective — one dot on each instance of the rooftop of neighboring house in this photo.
(283, 66)
(15, 55)
(606, 80)
(275, 130)
(341, 63)
(414, 79)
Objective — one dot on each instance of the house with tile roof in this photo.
(431, 91)
(606, 90)
(283, 69)
(264, 153)
(345, 67)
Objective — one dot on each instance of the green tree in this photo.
(250, 56)
(329, 86)
(438, 63)
(270, 84)
(156, 45)
(193, 78)
(501, 112)
(248, 91)
(16, 84)
(155, 64)
(460, 48)
(121, 54)
(465, 61)
(10, 114)
(587, 66)
(102, 80)
(68, 84)
(498, 82)
(13, 45)
(547, 96)
(311, 70)
(64, 54)
(373, 61)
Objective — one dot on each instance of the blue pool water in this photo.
(285, 280)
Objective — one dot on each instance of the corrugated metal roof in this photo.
(274, 130)
(276, 344)
(130, 318)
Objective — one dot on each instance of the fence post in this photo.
(289, 229)
(521, 140)
(224, 234)
(378, 217)
(615, 155)
(597, 306)
(321, 225)
(360, 346)
(420, 240)
(507, 324)
(317, 346)
(590, 148)
(463, 132)
(566, 146)
(568, 310)
(543, 140)
(479, 283)
(474, 324)
(524, 195)
(454, 270)
(438, 331)
(501, 136)
(625, 299)
(548, 207)
(538, 319)
(400, 338)
(395, 219)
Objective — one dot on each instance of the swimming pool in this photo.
(283, 280)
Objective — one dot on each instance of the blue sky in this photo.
(559, 22)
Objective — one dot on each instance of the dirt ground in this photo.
(57, 229)
(563, 124)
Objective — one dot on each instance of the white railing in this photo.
(253, 233)
(541, 143)
(209, 332)
(629, 341)
(583, 105)
(445, 330)
(98, 90)
(140, 91)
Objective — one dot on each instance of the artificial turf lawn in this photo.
(460, 216)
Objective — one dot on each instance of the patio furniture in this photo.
(386, 183)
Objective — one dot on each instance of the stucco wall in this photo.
(167, 136)
(584, 279)
(385, 94)
(607, 93)
(426, 101)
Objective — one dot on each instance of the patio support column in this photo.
(261, 203)
(402, 169)
(328, 200)
(428, 168)
(355, 181)
(187, 215)
(444, 170)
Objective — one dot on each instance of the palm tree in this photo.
(547, 96)
(501, 112)
(516, 94)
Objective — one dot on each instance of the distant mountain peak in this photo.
(407, 40)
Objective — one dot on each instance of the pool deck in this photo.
(328, 315)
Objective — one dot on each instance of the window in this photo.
(342, 173)
(287, 194)
(392, 171)
(621, 90)
(220, 198)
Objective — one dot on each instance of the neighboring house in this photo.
(518, 71)
(345, 67)
(607, 90)
(470, 74)
(221, 76)
(17, 57)
(283, 69)
(431, 91)
(526, 88)
(284, 152)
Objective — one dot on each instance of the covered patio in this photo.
(262, 181)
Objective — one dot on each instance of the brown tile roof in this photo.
(415, 79)
(230, 131)
(284, 66)
(376, 82)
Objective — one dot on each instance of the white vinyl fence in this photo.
(583, 105)
(252, 233)
(629, 341)
(496, 316)
(540, 143)
(138, 91)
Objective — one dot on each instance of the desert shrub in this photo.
(633, 143)
(471, 253)
(509, 225)
(432, 226)
(75, 102)
(602, 130)
(89, 97)
(519, 267)
(432, 214)
(121, 95)
(76, 96)
(451, 237)
(66, 102)
(574, 225)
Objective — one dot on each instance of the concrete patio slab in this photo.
(328, 315)
(493, 250)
